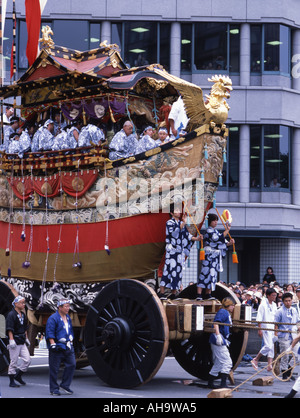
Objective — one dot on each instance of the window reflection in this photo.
(72, 34)
(272, 41)
(270, 144)
(116, 34)
(140, 43)
(164, 49)
(234, 48)
(210, 47)
(7, 44)
(233, 154)
(256, 48)
(255, 157)
(276, 156)
(230, 172)
(186, 47)
(94, 39)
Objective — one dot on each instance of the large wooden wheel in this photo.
(6, 299)
(194, 353)
(126, 334)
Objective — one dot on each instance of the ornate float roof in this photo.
(57, 66)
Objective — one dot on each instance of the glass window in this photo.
(256, 48)
(116, 35)
(230, 173)
(269, 144)
(72, 34)
(164, 46)
(276, 156)
(23, 62)
(7, 44)
(186, 47)
(140, 43)
(233, 156)
(234, 49)
(285, 50)
(274, 39)
(94, 35)
(271, 48)
(255, 156)
(210, 46)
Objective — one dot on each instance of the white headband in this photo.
(63, 302)
(17, 299)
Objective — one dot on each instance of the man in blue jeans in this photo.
(59, 337)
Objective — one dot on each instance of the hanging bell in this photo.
(23, 236)
(7, 252)
(26, 264)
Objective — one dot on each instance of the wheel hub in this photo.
(117, 333)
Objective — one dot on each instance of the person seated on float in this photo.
(46, 138)
(14, 143)
(124, 143)
(73, 133)
(60, 141)
(178, 119)
(162, 136)
(25, 139)
(146, 142)
(59, 124)
(11, 129)
(91, 135)
(35, 143)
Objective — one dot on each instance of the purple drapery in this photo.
(95, 109)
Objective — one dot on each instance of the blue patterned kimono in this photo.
(60, 142)
(7, 132)
(178, 245)
(35, 145)
(90, 135)
(14, 146)
(72, 142)
(215, 249)
(122, 146)
(144, 144)
(46, 140)
(25, 143)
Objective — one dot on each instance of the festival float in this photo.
(75, 223)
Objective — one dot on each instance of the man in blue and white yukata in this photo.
(124, 143)
(46, 138)
(59, 337)
(215, 246)
(90, 135)
(9, 131)
(146, 141)
(178, 244)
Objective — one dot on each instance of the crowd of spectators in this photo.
(253, 294)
